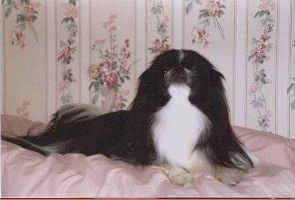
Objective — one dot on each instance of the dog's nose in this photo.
(178, 75)
(178, 69)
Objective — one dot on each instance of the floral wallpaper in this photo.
(24, 55)
(259, 55)
(113, 62)
(209, 14)
(162, 41)
(113, 69)
(67, 50)
(159, 22)
(26, 14)
(71, 51)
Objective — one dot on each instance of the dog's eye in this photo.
(165, 71)
(195, 72)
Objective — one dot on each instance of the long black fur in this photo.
(127, 135)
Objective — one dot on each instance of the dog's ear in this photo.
(209, 95)
(151, 91)
(223, 148)
(217, 76)
(145, 87)
(144, 90)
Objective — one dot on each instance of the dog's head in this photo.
(179, 67)
(184, 67)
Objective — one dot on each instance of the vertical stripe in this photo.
(246, 65)
(234, 85)
(51, 57)
(283, 63)
(177, 29)
(80, 70)
(292, 72)
(141, 34)
(85, 39)
(2, 63)
(240, 65)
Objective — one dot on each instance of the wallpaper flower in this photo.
(210, 14)
(113, 69)
(23, 110)
(161, 43)
(27, 13)
(259, 55)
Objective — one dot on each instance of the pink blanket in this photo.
(28, 174)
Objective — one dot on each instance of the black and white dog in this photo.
(179, 121)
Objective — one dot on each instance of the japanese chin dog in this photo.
(178, 122)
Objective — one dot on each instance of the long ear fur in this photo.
(150, 97)
(151, 91)
(220, 144)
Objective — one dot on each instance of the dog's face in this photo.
(173, 67)
(180, 67)
(184, 67)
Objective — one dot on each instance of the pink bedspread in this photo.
(27, 174)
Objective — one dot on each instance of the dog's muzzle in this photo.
(178, 75)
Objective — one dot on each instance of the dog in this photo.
(178, 122)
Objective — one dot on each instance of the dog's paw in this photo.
(176, 175)
(182, 179)
(179, 176)
(229, 176)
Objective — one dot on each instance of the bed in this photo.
(28, 174)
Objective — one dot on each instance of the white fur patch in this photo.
(55, 148)
(181, 55)
(177, 128)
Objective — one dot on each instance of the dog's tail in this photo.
(75, 113)
(66, 114)
(37, 143)
(26, 143)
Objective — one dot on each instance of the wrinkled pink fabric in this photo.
(28, 174)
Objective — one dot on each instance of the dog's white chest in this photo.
(177, 128)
